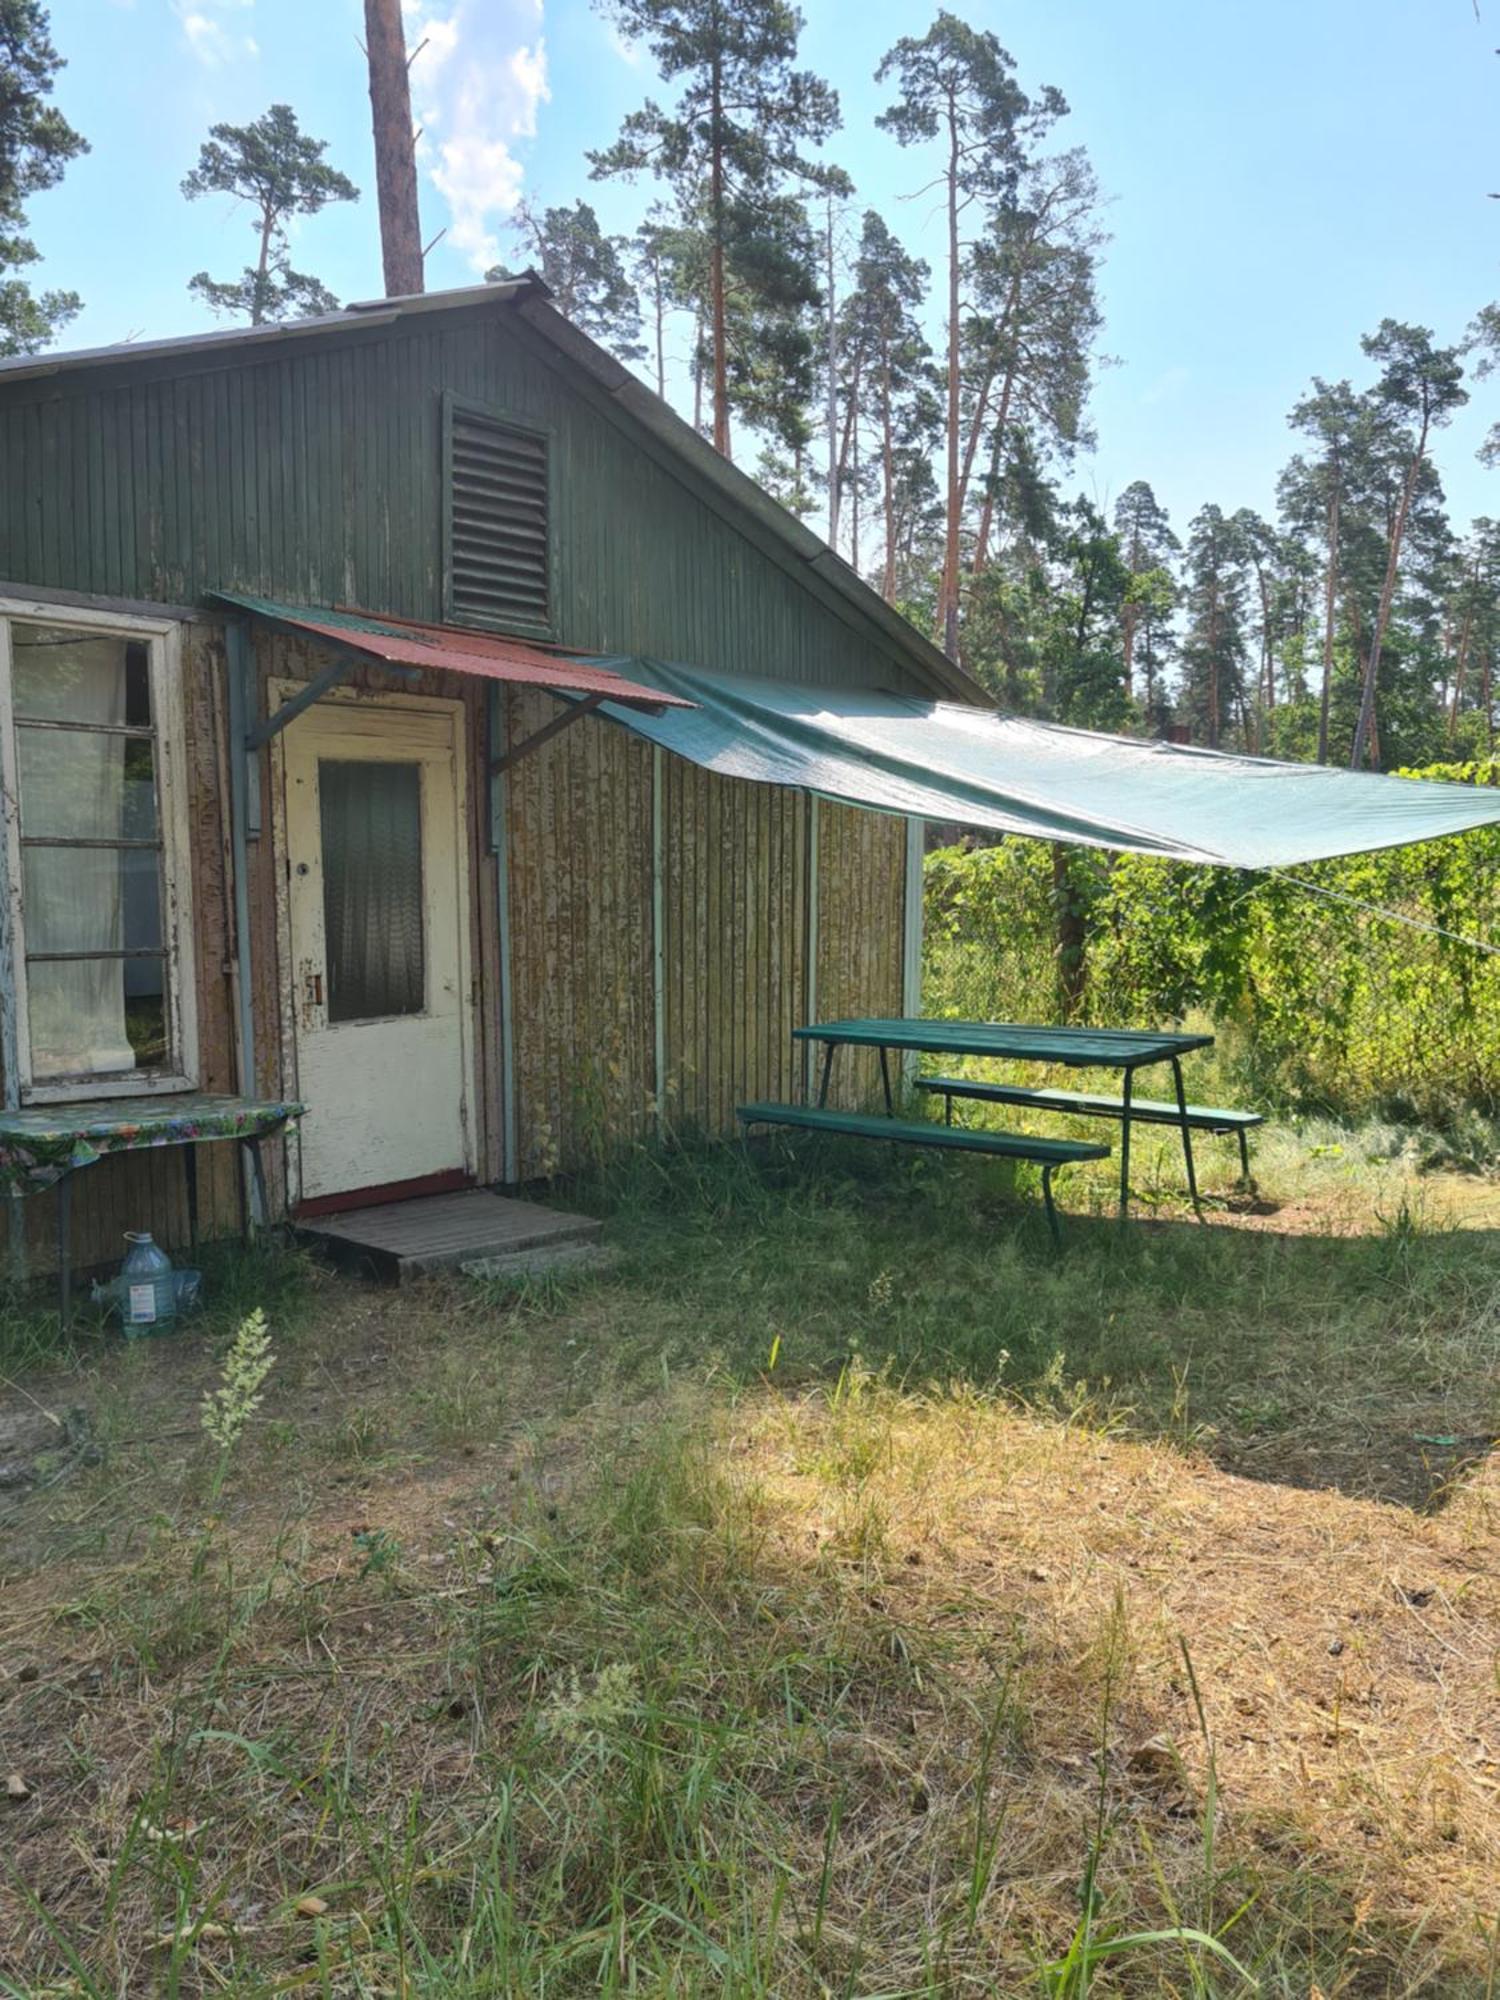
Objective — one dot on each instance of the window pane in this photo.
(76, 786)
(77, 1013)
(79, 676)
(91, 898)
(372, 888)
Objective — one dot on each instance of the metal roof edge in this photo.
(356, 316)
(741, 491)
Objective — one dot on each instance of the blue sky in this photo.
(1281, 175)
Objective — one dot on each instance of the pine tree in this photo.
(584, 270)
(36, 144)
(958, 88)
(1419, 389)
(1148, 548)
(730, 147)
(280, 171)
(1213, 648)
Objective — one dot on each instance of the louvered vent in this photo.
(498, 557)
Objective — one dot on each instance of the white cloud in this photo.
(213, 30)
(478, 85)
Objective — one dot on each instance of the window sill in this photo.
(80, 1090)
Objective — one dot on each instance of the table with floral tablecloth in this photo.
(43, 1145)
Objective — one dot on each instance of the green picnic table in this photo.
(43, 1146)
(1125, 1049)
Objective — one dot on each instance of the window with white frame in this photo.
(97, 953)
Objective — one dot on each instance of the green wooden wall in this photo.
(311, 471)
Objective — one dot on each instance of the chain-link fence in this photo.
(1320, 1000)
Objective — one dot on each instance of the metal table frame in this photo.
(1125, 1049)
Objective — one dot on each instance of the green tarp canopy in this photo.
(946, 761)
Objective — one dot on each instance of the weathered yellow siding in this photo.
(734, 881)
(861, 882)
(578, 813)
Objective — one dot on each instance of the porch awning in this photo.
(404, 642)
(945, 761)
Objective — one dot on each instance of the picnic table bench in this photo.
(1048, 1154)
(1221, 1123)
(1124, 1049)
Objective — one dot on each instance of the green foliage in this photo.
(36, 144)
(585, 271)
(272, 164)
(1326, 1004)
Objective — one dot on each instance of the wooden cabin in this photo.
(479, 945)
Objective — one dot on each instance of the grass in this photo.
(841, 1597)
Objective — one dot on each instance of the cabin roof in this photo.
(529, 298)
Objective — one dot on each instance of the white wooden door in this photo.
(377, 909)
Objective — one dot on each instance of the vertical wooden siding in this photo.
(735, 908)
(578, 814)
(312, 473)
(861, 884)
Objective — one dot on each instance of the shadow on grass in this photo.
(1364, 1362)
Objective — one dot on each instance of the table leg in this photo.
(1051, 1208)
(1244, 1157)
(1125, 1145)
(885, 1078)
(828, 1055)
(190, 1182)
(65, 1247)
(259, 1166)
(1187, 1136)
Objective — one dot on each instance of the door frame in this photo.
(282, 688)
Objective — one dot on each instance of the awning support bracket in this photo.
(570, 715)
(338, 670)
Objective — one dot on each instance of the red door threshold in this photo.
(451, 1181)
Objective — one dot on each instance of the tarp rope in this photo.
(1386, 915)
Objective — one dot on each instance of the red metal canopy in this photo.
(404, 642)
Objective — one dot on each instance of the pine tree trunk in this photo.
(716, 265)
(1072, 936)
(395, 148)
(888, 475)
(1330, 598)
(1460, 666)
(1363, 727)
(834, 495)
(947, 604)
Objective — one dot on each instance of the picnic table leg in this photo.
(1125, 1145)
(1187, 1136)
(1244, 1156)
(885, 1078)
(829, 1051)
(1051, 1208)
(190, 1182)
(65, 1247)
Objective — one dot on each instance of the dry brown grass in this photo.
(545, 1667)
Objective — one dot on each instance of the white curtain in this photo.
(72, 787)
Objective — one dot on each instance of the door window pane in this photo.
(372, 888)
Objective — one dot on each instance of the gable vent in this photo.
(499, 569)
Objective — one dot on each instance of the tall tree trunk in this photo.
(987, 510)
(854, 500)
(716, 262)
(1363, 726)
(947, 604)
(1330, 598)
(395, 148)
(887, 475)
(661, 332)
(834, 495)
(1072, 935)
(1460, 664)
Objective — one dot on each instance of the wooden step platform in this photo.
(449, 1232)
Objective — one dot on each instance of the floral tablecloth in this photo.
(45, 1141)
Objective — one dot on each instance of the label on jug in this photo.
(142, 1303)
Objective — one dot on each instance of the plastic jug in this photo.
(147, 1283)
